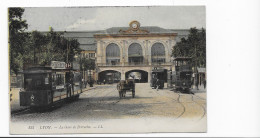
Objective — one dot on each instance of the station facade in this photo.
(124, 51)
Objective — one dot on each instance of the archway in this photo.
(109, 76)
(135, 54)
(112, 54)
(140, 76)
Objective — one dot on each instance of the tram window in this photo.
(62, 79)
(36, 82)
(57, 79)
(28, 83)
(46, 80)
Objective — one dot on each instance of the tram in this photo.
(157, 78)
(46, 85)
(182, 76)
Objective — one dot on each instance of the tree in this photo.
(42, 48)
(194, 46)
(17, 37)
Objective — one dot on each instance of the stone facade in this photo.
(96, 42)
(124, 39)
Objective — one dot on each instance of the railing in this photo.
(134, 64)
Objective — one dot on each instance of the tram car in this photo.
(182, 76)
(44, 86)
(157, 78)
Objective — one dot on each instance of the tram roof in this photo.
(41, 69)
(182, 58)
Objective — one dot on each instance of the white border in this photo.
(233, 62)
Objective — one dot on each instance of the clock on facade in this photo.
(134, 25)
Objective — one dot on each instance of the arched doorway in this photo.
(135, 54)
(109, 76)
(112, 54)
(140, 76)
(158, 53)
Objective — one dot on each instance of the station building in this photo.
(122, 51)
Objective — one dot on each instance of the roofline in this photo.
(181, 58)
(134, 35)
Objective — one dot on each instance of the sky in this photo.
(101, 18)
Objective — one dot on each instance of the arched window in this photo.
(112, 54)
(158, 53)
(135, 54)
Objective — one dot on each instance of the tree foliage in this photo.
(88, 64)
(36, 47)
(52, 46)
(17, 37)
(194, 46)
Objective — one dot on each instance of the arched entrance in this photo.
(135, 54)
(109, 76)
(140, 76)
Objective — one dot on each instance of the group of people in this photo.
(197, 83)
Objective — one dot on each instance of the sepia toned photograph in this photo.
(83, 70)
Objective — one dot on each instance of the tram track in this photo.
(183, 106)
(102, 97)
(175, 100)
(21, 111)
(204, 109)
(184, 109)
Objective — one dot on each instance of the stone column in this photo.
(126, 51)
(149, 52)
(149, 75)
(99, 52)
(122, 53)
(167, 52)
(122, 75)
(103, 53)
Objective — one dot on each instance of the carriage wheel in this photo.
(124, 93)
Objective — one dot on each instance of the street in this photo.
(102, 106)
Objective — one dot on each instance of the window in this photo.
(57, 79)
(158, 53)
(91, 55)
(112, 54)
(135, 53)
(36, 81)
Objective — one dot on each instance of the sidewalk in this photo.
(201, 89)
(15, 102)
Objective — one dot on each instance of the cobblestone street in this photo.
(102, 105)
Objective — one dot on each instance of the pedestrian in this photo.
(204, 83)
(157, 84)
(197, 84)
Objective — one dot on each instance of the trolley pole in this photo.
(196, 72)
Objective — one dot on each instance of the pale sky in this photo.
(100, 18)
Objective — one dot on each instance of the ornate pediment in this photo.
(133, 29)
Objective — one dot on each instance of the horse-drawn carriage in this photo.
(126, 85)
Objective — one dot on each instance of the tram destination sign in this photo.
(58, 65)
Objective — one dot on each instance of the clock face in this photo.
(134, 25)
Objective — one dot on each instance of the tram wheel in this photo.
(76, 97)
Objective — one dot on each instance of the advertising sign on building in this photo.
(57, 65)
